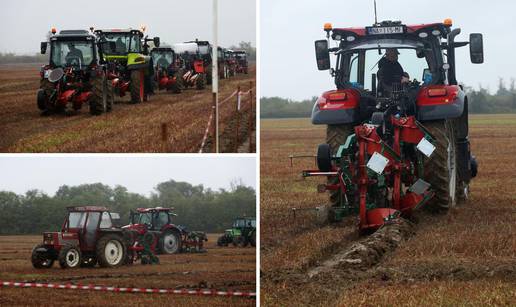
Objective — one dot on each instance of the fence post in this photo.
(164, 136)
(250, 120)
(237, 107)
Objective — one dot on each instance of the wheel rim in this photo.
(113, 252)
(72, 257)
(170, 243)
(452, 168)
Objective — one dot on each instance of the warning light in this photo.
(53, 30)
(143, 28)
(448, 22)
(328, 26)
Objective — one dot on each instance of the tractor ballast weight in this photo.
(243, 233)
(129, 65)
(380, 137)
(75, 74)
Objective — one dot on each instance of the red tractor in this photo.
(231, 62)
(75, 75)
(194, 71)
(167, 69)
(393, 145)
(89, 235)
(168, 237)
(241, 62)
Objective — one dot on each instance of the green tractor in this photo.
(243, 233)
(129, 65)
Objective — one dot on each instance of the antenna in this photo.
(375, 16)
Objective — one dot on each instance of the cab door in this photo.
(90, 230)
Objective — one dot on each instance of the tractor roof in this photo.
(121, 31)
(72, 34)
(163, 48)
(156, 209)
(200, 43)
(87, 209)
(240, 51)
(343, 33)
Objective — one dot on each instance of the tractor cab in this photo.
(391, 64)
(242, 233)
(241, 56)
(163, 57)
(156, 219)
(71, 48)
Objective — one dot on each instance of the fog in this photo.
(24, 23)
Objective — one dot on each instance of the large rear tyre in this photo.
(441, 167)
(100, 96)
(179, 84)
(200, 82)
(111, 251)
(336, 135)
(69, 257)
(41, 260)
(137, 86)
(170, 243)
(208, 75)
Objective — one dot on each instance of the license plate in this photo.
(384, 30)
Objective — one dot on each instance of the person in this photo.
(74, 55)
(390, 70)
(120, 46)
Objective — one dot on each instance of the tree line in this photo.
(480, 101)
(197, 207)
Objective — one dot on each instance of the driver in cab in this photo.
(390, 71)
(74, 55)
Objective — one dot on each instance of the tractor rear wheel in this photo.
(441, 167)
(137, 86)
(252, 239)
(208, 75)
(200, 82)
(69, 257)
(179, 84)
(336, 135)
(221, 241)
(41, 260)
(100, 96)
(111, 251)
(170, 243)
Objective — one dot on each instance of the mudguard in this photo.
(449, 105)
(336, 107)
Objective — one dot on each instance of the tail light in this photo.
(437, 92)
(339, 99)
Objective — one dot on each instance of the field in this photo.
(466, 257)
(128, 128)
(220, 268)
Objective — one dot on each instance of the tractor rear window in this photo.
(124, 43)
(72, 53)
(76, 219)
(162, 59)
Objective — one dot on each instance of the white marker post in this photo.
(215, 73)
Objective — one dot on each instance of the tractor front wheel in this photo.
(170, 243)
(69, 257)
(111, 251)
(41, 260)
(137, 86)
(441, 167)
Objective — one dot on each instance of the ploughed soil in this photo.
(465, 257)
(128, 128)
(228, 268)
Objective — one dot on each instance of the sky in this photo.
(138, 173)
(24, 23)
(288, 32)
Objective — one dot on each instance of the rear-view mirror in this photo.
(156, 41)
(43, 47)
(476, 48)
(322, 55)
